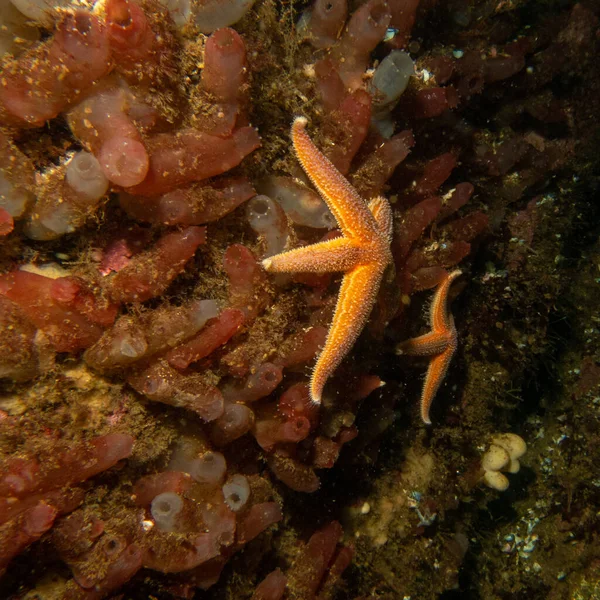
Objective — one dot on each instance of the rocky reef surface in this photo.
(157, 435)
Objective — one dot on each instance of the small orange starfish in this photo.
(440, 343)
(362, 253)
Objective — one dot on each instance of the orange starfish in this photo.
(440, 343)
(362, 253)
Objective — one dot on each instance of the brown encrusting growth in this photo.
(159, 435)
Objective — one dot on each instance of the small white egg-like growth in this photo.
(502, 455)
(495, 458)
(514, 445)
(496, 480)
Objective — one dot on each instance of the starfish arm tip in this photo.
(425, 406)
(300, 121)
(316, 391)
(267, 263)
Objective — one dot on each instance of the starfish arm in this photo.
(441, 319)
(355, 301)
(382, 212)
(349, 209)
(338, 254)
(424, 345)
(438, 367)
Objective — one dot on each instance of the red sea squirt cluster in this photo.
(32, 494)
(68, 313)
(45, 80)
(170, 312)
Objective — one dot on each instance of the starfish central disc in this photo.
(362, 254)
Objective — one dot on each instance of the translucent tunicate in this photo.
(202, 311)
(180, 10)
(84, 175)
(131, 346)
(13, 199)
(384, 124)
(164, 508)
(235, 421)
(268, 220)
(391, 78)
(301, 204)
(236, 492)
(53, 223)
(209, 468)
(40, 10)
(211, 15)
(16, 33)
(84, 185)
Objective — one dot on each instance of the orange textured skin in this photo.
(440, 343)
(363, 253)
